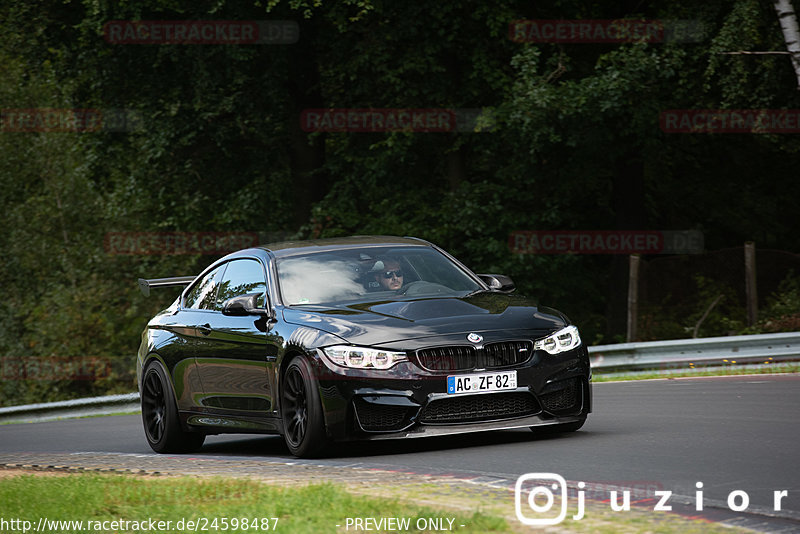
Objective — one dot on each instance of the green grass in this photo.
(732, 370)
(312, 508)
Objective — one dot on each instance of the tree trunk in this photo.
(306, 154)
(791, 32)
(456, 170)
(628, 200)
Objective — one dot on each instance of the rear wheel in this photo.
(162, 426)
(301, 411)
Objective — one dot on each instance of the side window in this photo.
(203, 294)
(242, 277)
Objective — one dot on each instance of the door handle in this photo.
(204, 329)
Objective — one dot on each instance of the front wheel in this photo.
(162, 426)
(301, 411)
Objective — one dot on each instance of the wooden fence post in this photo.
(751, 288)
(633, 295)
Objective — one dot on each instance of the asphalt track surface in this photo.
(730, 433)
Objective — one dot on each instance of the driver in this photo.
(388, 274)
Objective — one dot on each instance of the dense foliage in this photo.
(573, 143)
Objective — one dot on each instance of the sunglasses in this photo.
(388, 274)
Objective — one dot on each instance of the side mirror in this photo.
(498, 282)
(245, 305)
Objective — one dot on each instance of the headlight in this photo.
(363, 357)
(565, 339)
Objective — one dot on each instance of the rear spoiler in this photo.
(146, 284)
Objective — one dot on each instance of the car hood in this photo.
(384, 322)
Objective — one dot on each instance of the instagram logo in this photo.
(535, 495)
(537, 490)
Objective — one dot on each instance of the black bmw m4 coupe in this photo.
(368, 337)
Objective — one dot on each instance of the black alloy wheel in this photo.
(162, 425)
(301, 410)
(154, 407)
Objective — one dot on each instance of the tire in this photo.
(301, 411)
(162, 426)
(559, 429)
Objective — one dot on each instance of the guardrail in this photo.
(49, 411)
(658, 355)
(709, 351)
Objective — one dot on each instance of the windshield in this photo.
(373, 273)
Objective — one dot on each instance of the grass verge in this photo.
(243, 505)
(699, 371)
(211, 505)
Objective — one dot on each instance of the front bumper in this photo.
(408, 401)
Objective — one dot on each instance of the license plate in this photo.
(459, 384)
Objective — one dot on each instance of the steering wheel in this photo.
(421, 287)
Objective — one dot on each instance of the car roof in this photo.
(290, 248)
